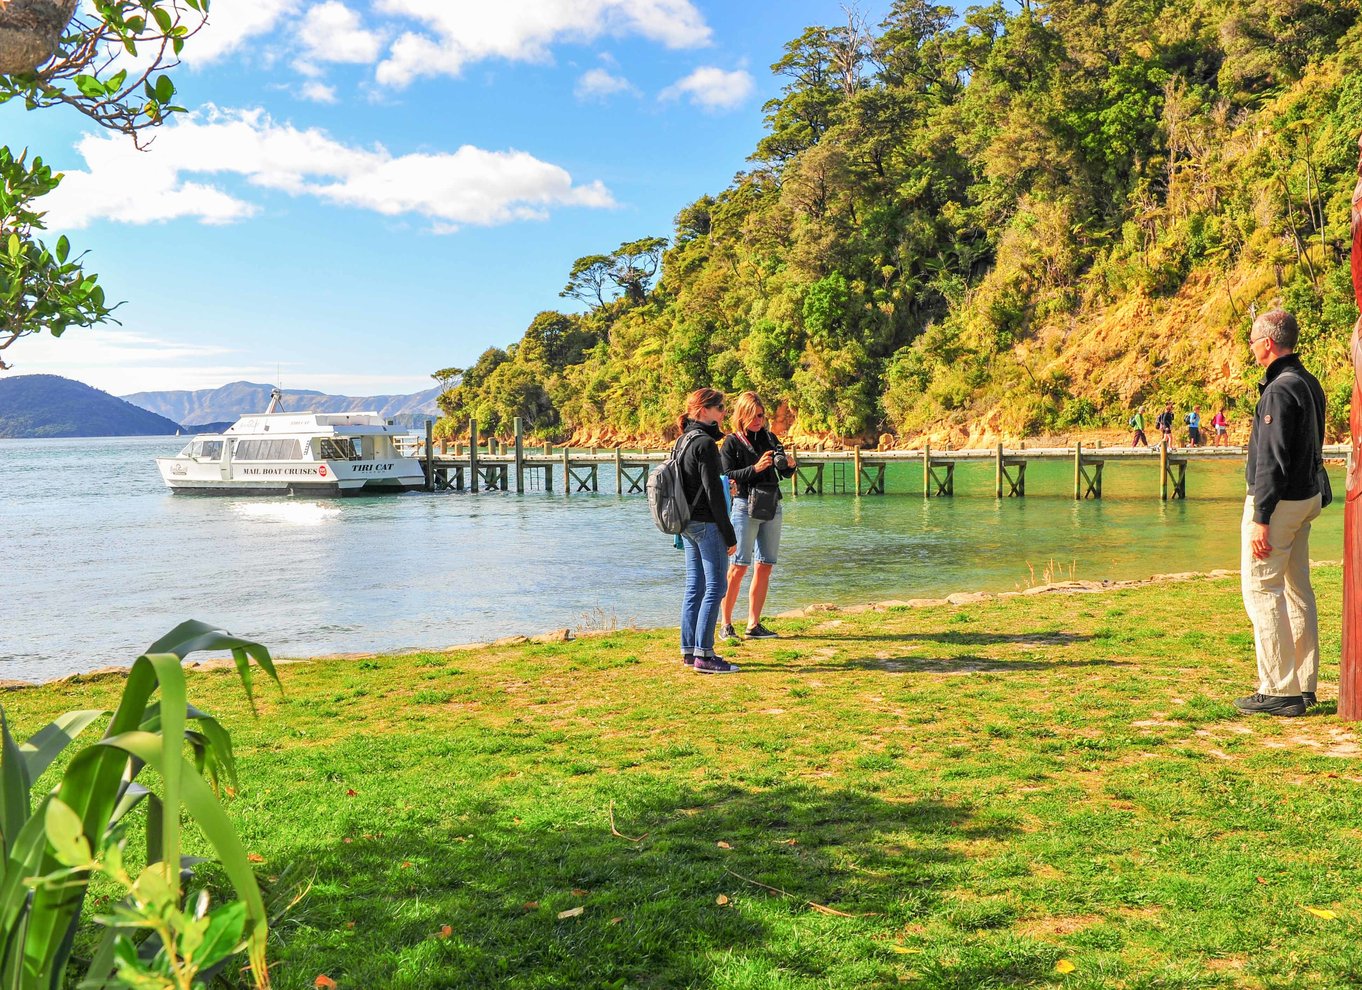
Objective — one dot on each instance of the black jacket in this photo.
(1284, 447)
(700, 479)
(739, 461)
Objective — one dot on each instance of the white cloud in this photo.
(232, 23)
(318, 92)
(467, 186)
(712, 89)
(456, 32)
(599, 84)
(332, 32)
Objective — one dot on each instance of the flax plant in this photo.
(55, 840)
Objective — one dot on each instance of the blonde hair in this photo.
(745, 411)
(698, 401)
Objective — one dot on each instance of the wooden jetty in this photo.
(490, 465)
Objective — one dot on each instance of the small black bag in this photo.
(762, 502)
(1326, 488)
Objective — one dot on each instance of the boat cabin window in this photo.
(339, 449)
(266, 450)
(210, 450)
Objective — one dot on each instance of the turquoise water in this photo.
(99, 559)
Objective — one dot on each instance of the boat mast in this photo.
(276, 401)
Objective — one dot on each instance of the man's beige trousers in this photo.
(1280, 601)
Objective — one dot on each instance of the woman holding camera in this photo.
(755, 462)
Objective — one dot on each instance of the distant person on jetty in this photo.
(708, 539)
(1137, 424)
(1165, 424)
(1222, 427)
(1284, 455)
(1194, 426)
(755, 462)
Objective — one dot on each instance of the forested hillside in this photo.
(1021, 221)
(52, 406)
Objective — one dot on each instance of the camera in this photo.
(778, 458)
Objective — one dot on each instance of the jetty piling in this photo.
(429, 465)
(519, 457)
(866, 470)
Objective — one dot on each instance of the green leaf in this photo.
(90, 86)
(46, 744)
(15, 783)
(164, 22)
(153, 887)
(66, 835)
(197, 798)
(15, 246)
(226, 925)
(165, 89)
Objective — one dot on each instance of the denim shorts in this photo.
(764, 534)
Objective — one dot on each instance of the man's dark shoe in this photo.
(727, 632)
(760, 632)
(1267, 704)
(1309, 698)
(714, 665)
(688, 659)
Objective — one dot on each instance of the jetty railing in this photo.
(493, 465)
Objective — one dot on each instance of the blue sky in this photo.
(370, 190)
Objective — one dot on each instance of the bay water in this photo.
(99, 559)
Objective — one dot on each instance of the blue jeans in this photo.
(706, 582)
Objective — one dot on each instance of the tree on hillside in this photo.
(817, 64)
(555, 340)
(630, 268)
(634, 265)
(107, 62)
(588, 279)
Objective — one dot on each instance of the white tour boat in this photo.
(303, 453)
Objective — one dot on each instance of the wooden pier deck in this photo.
(489, 466)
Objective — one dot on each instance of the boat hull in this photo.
(324, 479)
(295, 489)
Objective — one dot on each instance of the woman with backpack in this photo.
(708, 538)
(755, 462)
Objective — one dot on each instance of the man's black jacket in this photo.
(700, 478)
(1284, 447)
(739, 462)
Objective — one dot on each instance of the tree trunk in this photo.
(1350, 664)
(29, 31)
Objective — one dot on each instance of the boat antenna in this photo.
(276, 401)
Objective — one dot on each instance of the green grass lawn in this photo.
(969, 795)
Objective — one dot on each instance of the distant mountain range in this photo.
(52, 406)
(230, 402)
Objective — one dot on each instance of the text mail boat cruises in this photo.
(302, 453)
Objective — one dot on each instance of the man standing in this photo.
(1283, 499)
(1137, 424)
(1194, 426)
(1164, 422)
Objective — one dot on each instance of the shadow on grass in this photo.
(955, 638)
(962, 664)
(651, 915)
